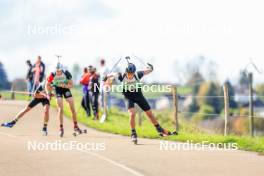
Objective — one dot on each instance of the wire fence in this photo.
(232, 121)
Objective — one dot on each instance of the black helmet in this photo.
(131, 68)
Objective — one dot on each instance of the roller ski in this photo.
(61, 133)
(78, 131)
(9, 124)
(134, 138)
(45, 131)
(165, 133)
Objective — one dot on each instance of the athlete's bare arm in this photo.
(148, 70)
(48, 87)
(111, 75)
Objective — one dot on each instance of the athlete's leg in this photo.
(151, 117)
(132, 115)
(46, 115)
(59, 101)
(22, 113)
(46, 120)
(160, 130)
(144, 105)
(73, 111)
(17, 117)
(31, 105)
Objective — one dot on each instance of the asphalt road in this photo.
(105, 154)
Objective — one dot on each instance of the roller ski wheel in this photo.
(45, 132)
(134, 138)
(135, 141)
(8, 124)
(78, 132)
(165, 133)
(61, 133)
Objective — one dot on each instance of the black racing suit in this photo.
(36, 101)
(61, 79)
(135, 95)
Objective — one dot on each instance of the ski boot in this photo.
(78, 131)
(61, 133)
(9, 124)
(45, 131)
(167, 133)
(134, 138)
(164, 132)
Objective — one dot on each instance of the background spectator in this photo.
(29, 76)
(85, 79)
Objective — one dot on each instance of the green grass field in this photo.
(118, 123)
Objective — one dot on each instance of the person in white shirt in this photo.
(103, 71)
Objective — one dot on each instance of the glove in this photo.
(150, 66)
(58, 83)
(54, 83)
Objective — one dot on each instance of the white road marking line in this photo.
(10, 135)
(122, 166)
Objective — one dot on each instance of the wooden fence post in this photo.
(13, 89)
(175, 107)
(105, 104)
(251, 106)
(226, 101)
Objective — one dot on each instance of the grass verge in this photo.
(118, 123)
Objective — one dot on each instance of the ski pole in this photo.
(140, 60)
(115, 66)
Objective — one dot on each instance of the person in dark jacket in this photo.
(43, 68)
(29, 76)
(94, 90)
(85, 79)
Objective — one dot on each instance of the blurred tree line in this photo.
(4, 84)
(207, 92)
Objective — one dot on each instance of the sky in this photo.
(167, 33)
